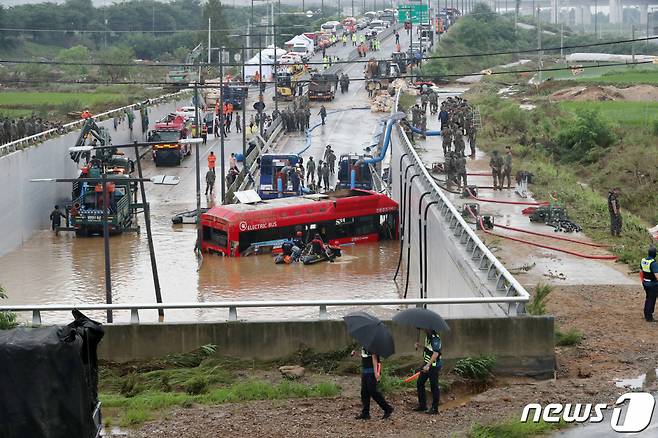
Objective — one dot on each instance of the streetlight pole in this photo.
(244, 113)
(260, 83)
(106, 248)
(223, 121)
(596, 17)
(198, 169)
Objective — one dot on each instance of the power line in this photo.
(365, 61)
(356, 79)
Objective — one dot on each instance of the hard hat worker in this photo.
(649, 276)
(430, 371)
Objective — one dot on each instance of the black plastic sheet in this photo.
(49, 379)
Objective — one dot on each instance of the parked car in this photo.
(362, 24)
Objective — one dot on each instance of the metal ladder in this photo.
(477, 118)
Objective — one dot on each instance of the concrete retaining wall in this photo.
(522, 345)
(25, 206)
(449, 272)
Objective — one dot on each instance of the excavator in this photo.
(182, 77)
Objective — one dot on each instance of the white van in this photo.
(376, 23)
(332, 27)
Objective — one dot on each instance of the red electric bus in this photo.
(342, 216)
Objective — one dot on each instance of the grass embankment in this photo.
(580, 156)
(137, 392)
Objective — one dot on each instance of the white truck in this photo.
(301, 45)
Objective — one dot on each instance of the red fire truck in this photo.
(343, 216)
(167, 133)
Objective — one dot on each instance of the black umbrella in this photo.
(370, 332)
(423, 319)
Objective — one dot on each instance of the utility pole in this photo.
(198, 171)
(596, 17)
(244, 114)
(149, 234)
(222, 121)
(353, 8)
(539, 47)
(106, 248)
(276, 101)
(633, 43)
(561, 40)
(648, 18)
(260, 82)
(209, 43)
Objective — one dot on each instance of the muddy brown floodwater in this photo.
(64, 269)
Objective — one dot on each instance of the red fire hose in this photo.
(566, 251)
(495, 201)
(580, 242)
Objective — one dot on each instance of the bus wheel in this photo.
(81, 233)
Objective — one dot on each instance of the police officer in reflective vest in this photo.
(432, 365)
(649, 268)
(370, 375)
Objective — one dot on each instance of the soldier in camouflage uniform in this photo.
(423, 123)
(446, 133)
(458, 138)
(449, 168)
(460, 171)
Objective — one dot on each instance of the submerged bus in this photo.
(343, 216)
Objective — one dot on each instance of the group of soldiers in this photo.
(12, 129)
(296, 119)
(419, 112)
(457, 121)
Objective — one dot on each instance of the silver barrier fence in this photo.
(233, 306)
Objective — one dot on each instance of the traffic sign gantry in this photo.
(415, 13)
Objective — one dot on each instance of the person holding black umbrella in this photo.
(370, 376)
(432, 366)
(431, 323)
(376, 341)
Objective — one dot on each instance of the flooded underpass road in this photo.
(63, 269)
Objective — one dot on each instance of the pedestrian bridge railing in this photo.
(35, 139)
(499, 281)
(233, 306)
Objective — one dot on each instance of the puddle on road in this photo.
(645, 380)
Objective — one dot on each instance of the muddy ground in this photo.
(641, 93)
(617, 344)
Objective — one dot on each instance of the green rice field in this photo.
(618, 111)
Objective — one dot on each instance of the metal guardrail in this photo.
(472, 245)
(33, 140)
(233, 306)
